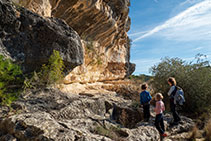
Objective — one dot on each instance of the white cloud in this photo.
(198, 48)
(137, 33)
(190, 2)
(192, 24)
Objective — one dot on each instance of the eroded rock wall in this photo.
(102, 26)
(30, 39)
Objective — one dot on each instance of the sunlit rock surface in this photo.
(102, 26)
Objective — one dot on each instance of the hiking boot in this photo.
(164, 135)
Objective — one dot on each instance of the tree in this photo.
(194, 77)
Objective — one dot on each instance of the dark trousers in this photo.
(159, 123)
(173, 110)
(146, 108)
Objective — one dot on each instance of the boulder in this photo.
(30, 39)
(102, 26)
(52, 115)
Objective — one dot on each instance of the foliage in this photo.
(11, 81)
(138, 80)
(49, 74)
(89, 46)
(95, 57)
(141, 77)
(194, 77)
(21, 3)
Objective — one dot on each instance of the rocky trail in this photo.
(52, 115)
(92, 39)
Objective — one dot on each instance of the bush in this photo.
(21, 3)
(51, 73)
(11, 81)
(194, 77)
(93, 57)
(141, 78)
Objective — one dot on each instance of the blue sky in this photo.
(173, 28)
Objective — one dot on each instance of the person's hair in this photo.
(158, 96)
(144, 86)
(172, 81)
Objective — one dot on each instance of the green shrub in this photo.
(11, 81)
(194, 77)
(54, 70)
(141, 77)
(51, 73)
(91, 52)
(21, 3)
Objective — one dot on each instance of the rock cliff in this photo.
(30, 39)
(94, 45)
(102, 26)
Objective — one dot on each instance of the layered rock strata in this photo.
(103, 26)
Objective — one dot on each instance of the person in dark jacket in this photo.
(145, 98)
(171, 93)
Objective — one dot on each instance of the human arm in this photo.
(163, 106)
(149, 97)
(140, 98)
(171, 90)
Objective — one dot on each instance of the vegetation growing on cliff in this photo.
(51, 73)
(11, 81)
(194, 77)
(21, 3)
(92, 54)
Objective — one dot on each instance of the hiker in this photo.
(145, 98)
(159, 108)
(171, 93)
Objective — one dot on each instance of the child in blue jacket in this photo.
(145, 98)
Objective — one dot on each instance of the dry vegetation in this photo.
(128, 88)
(207, 130)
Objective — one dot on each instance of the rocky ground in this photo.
(52, 115)
(80, 112)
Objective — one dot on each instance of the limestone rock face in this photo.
(30, 39)
(102, 26)
(42, 7)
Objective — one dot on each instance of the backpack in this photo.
(179, 97)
